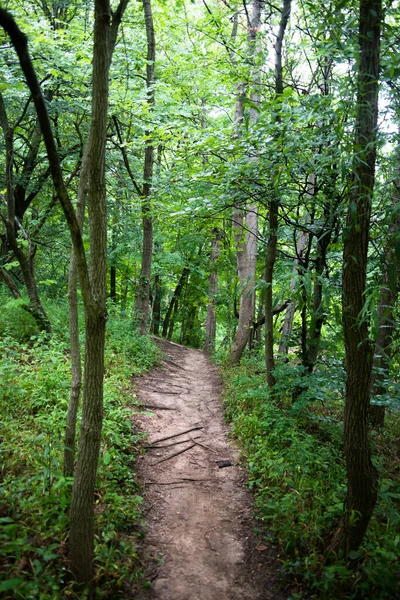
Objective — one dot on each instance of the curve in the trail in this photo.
(200, 532)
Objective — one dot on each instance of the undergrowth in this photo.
(297, 471)
(34, 495)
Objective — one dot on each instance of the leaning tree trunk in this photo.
(211, 321)
(174, 301)
(26, 263)
(142, 303)
(362, 478)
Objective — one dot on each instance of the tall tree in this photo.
(211, 321)
(245, 219)
(142, 303)
(92, 279)
(362, 478)
(386, 305)
(273, 213)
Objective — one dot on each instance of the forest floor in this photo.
(200, 542)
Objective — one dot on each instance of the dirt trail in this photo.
(199, 514)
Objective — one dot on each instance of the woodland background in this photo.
(243, 197)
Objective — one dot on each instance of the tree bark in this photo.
(174, 301)
(362, 477)
(386, 309)
(5, 277)
(211, 320)
(246, 244)
(75, 348)
(273, 214)
(291, 309)
(142, 303)
(26, 262)
(93, 282)
(156, 316)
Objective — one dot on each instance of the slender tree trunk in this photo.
(273, 215)
(75, 348)
(291, 309)
(386, 309)
(246, 244)
(26, 263)
(142, 303)
(113, 284)
(156, 318)
(211, 321)
(5, 277)
(268, 300)
(173, 319)
(93, 281)
(318, 311)
(174, 300)
(362, 478)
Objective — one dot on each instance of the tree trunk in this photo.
(318, 312)
(5, 277)
(211, 321)
(268, 300)
(156, 317)
(25, 262)
(247, 281)
(291, 309)
(273, 214)
(386, 309)
(362, 478)
(246, 244)
(75, 348)
(93, 282)
(174, 300)
(142, 303)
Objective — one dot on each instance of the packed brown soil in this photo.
(200, 543)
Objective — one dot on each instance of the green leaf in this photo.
(10, 584)
(355, 554)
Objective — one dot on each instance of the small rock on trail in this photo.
(200, 543)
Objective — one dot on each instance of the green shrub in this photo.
(34, 495)
(296, 469)
(16, 322)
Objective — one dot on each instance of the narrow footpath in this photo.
(200, 543)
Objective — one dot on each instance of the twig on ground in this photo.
(175, 454)
(173, 443)
(158, 407)
(160, 391)
(168, 437)
(174, 364)
(202, 445)
(182, 480)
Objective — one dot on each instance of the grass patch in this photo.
(34, 495)
(297, 471)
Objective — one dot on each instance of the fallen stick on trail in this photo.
(160, 391)
(202, 445)
(175, 454)
(182, 480)
(158, 407)
(168, 437)
(174, 443)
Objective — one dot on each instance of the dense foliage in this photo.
(297, 470)
(249, 116)
(34, 494)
